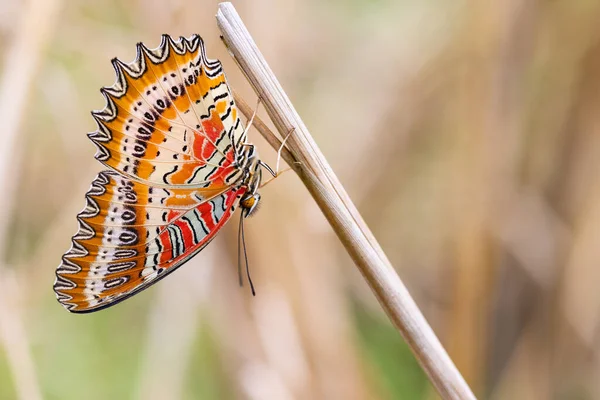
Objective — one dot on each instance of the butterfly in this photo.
(178, 165)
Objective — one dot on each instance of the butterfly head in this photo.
(249, 203)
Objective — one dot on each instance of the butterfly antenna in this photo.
(246, 259)
(240, 249)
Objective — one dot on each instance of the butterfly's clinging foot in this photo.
(280, 149)
(278, 175)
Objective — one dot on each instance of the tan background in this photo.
(467, 133)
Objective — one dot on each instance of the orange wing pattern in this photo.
(169, 118)
(131, 235)
(172, 139)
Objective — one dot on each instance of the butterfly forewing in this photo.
(170, 134)
(165, 126)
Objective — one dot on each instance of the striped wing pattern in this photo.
(169, 118)
(168, 135)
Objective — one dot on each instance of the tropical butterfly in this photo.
(178, 166)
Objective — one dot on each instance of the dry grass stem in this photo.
(341, 213)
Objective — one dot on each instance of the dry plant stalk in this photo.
(311, 166)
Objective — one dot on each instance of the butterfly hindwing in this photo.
(132, 234)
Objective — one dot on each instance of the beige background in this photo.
(467, 133)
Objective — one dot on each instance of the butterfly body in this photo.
(178, 167)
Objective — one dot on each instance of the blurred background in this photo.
(467, 133)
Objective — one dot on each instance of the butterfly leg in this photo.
(279, 151)
(277, 172)
(245, 134)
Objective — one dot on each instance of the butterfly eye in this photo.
(250, 204)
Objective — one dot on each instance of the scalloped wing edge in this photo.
(135, 69)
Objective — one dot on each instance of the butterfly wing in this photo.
(131, 235)
(169, 133)
(169, 118)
